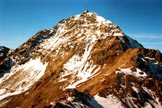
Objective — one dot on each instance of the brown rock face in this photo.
(84, 61)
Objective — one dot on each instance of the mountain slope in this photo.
(84, 61)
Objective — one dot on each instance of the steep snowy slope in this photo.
(84, 61)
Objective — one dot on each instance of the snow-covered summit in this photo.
(87, 25)
(99, 19)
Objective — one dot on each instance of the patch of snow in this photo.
(2, 91)
(73, 63)
(90, 13)
(9, 94)
(108, 102)
(8, 75)
(53, 103)
(118, 34)
(147, 105)
(130, 102)
(98, 32)
(135, 89)
(102, 20)
(83, 72)
(149, 58)
(70, 99)
(76, 17)
(52, 43)
(83, 76)
(23, 77)
(81, 66)
(156, 103)
(63, 79)
(130, 72)
(156, 63)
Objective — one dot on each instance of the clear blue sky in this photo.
(21, 19)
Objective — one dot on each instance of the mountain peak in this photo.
(93, 14)
(88, 16)
(85, 11)
(85, 60)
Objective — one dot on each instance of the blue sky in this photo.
(21, 19)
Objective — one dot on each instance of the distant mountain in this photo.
(84, 61)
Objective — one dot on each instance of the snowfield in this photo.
(21, 78)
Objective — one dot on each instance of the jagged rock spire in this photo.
(85, 11)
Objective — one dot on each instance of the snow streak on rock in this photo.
(155, 102)
(81, 67)
(128, 71)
